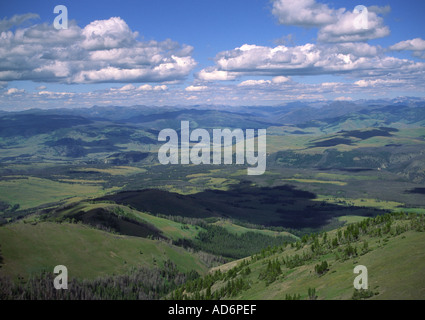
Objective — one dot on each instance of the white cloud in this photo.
(107, 34)
(305, 13)
(13, 91)
(250, 83)
(196, 88)
(417, 44)
(345, 29)
(264, 60)
(127, 87)
(358, 49)
(280, 79)
(356, 60)
(210, 74)
(145, 87)
(103, 51)
(380, 82)
(335, 25)
(160, 88)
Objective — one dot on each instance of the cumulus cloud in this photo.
(305, 13)
(160, 88)
(130, 88)
(358, 49)
(379, 82)
(103, 51)
(416, 45)
(127, 87)
(359, 60)
(275, 81)
(196, 88)
(13, 91)
(335, 25)
(280, 79)
(348, 29)
(211, 74)
(107, 34)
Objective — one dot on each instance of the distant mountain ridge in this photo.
(288, 114)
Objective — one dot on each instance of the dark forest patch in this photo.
(416, 191)
(331, 142)
(104, 219)
(366, 134)
(282, 206)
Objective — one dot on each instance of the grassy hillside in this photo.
(30, 192)
(390, 246)
(168, 228)
(219, 237)
(237, 229)
(87, 252)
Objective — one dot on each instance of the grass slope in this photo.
(236, 229)
(394, 256)
(170, 229)
(30, 192)
(87, 252)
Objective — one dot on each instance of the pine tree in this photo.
(312, 294)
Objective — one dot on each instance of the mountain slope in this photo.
(321, 266)
(88, 253)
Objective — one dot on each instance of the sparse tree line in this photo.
(201, 288)
(137, 284)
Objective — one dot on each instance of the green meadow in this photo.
(87, 252)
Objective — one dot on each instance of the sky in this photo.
(209, 52)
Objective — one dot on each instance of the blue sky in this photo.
(233, 52)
